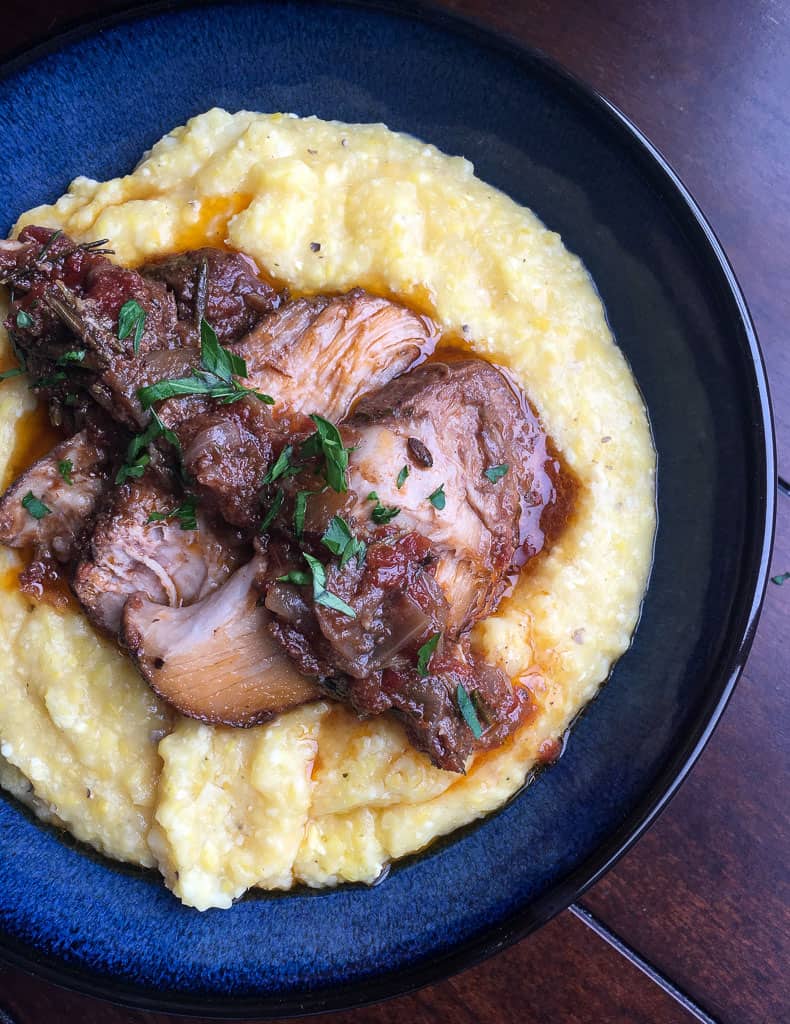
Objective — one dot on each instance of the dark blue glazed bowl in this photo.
(89, 103)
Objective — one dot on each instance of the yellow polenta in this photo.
(317, 796)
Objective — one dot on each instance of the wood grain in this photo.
(704, 895)
(565, 974)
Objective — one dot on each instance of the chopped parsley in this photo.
(24, 319)
(301, 579)
(15, 371)
(133, 469)
(323, 596)
(495, 473)
(438, 499)
(282, 466)
(326, 441)
(372, 496)
(401, 477)
(300, 508)
(65, 468)
(382, 514)
(780, 579)
(274, 508)
(137, 457)
(185, 513)
(215, 379)
(131, 318)
(215, 358)
(75, 355)
(35, 506)
(425, 653)
(467, 709)
(341, 542)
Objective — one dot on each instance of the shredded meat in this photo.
(320, 354)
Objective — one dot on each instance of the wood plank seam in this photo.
(630, 954)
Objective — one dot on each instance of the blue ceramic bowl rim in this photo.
(747, 603)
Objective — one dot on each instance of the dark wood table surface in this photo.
(693, 923)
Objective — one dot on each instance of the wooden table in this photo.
(693, 923)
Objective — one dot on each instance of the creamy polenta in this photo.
(317, 796)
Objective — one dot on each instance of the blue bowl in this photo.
(89, 102)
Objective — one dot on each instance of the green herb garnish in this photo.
(35, 506)
(65, 468)
(215, 379)
(274, 508)
(137, 457)
(372, 496)
(16, 371)
(438, 499)
(495, 473)
(185, 513)
(341, 541)
(49, 382)
(401, 478)
(301, 579)
(282, 466)
(24, 319)
(381, 514)
(75, 355)
(215, 358)
(779, 580)
(134, 469)
(323, 596)
(425, 653)
(327, 441)
(300, 508)
(131, 318)
(467, 709)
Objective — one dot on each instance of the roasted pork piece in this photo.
(447, 479)
(390, 500)
(319, 355)
(150, 540)
(311, 356)
(214, 660)
(221, 287)
(49, 509)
